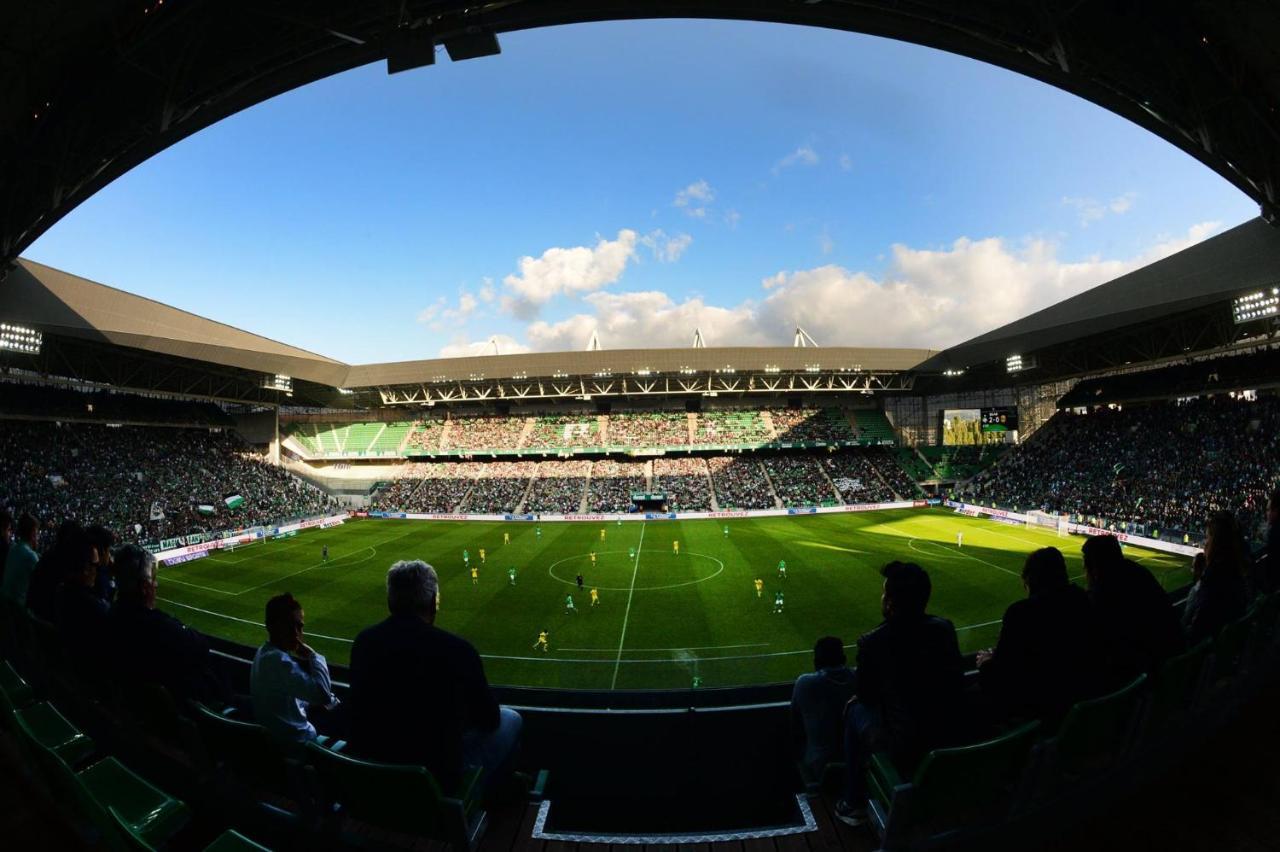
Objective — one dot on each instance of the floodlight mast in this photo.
(803, 339)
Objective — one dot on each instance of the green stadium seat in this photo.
(246, 750)
(228, 841)
(150, 813)
(400, 799)
(1097, 735)
(954, 790)
(1175, 689)
(234, 841)
(12, 684)
(50, 728)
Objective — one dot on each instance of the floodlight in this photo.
(279, 382)
(1013, 363)
(20, 338)
(960, 371)
(1256, 305)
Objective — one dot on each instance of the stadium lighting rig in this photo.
(1259, 304)
(20, 338)
(960, 371)
(1017, 363)
(279, 382)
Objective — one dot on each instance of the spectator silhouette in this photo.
(150, 646)
(102, 540)
(818, 700)
(80, 615)
(21, 560)
(1138, 623)
(1221, 594)
(68, 555)
(910, 681)
(1049, 654)
(419, 694)
(1267, 567)
(6, 532)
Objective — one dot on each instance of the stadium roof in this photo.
(72, 312)
(1193, 287)
(93, 89)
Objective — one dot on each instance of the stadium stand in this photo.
(1160, 468)
(739, 483)
(648, 429)
(872, 426)
(565, 430)
(799, 481)
(856, 478)
(499, 487)
(732, 428)
(484, 433)
(560, 487)
(145, 483)
(612, 484)
(686, 482)
(811, 424)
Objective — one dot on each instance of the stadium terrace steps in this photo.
(773, 492)
(872, 424)
(766, 417)
(523, 440)
(822, 468)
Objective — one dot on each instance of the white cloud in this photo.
(487, 292)
(928, 297)
(647, 319)
(580, 269)
(732, 218)
(846, 163)
(802, 156)
(1091, 209)
(460, 347)
(695, 199)
(666, 249)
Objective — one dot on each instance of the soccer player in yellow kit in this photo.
(506, 538)
(482, 556)
(602, 533)
(595, 598)
(675, 547)
(759, 584)
(593, 559)
(542, 641)
(475, 576)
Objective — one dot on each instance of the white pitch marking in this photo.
(660, 650)
(634, 571)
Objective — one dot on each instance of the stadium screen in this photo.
(960, 426)
(1002, 419)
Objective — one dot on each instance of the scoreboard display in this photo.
(1002, 419)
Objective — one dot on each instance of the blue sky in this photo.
(643, 179)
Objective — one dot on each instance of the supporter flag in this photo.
(233, 500)
(157, 511)
(205, 509)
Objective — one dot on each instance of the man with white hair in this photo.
(418, 693)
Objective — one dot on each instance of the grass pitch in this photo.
(663, 618)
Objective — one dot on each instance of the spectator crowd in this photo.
(146, 483)
(1157, 468)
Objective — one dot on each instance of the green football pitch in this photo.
(662, 620)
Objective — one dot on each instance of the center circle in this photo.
(551, 569)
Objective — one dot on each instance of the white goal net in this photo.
(1061, 523)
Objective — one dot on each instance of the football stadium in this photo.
(1047, 552)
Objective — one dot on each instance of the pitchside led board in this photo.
(1001, 419)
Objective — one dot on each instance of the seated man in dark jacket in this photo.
(910, 682)
(149, 646)
(1050, 653)
(1137, 620)
(418, 693)
(81, 616)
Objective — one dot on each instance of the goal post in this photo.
(1049, 520)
